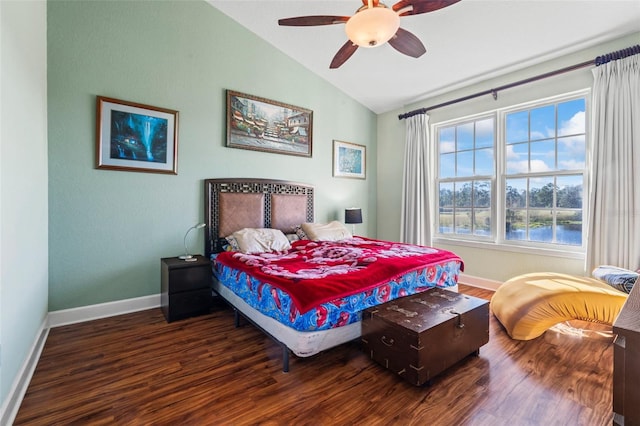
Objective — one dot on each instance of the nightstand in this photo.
(186, 287)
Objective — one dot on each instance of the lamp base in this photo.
(186, 257)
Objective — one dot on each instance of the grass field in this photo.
(517, 219)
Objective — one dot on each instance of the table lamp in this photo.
(353, 215)
(186, 256)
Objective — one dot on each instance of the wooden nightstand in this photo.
(186, 287)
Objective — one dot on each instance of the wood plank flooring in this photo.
(136, 369)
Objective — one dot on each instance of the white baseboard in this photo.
(479, 282)
(9, 409)
(102, 310)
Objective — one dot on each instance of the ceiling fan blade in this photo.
(407, 43)
(309, 21)
(415, 7)
(343, 54)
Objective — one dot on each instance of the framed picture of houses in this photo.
(264, 125)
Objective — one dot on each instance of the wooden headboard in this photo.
(233, 204)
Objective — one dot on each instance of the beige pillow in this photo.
(332, 231)
(259, 240)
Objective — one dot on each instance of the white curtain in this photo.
(417, 182)
(614, 201)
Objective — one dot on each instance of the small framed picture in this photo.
(135, 137)
(349, 160)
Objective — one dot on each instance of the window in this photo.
(521, 185)
(545, 164)
(466, 152)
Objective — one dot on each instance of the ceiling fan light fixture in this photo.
(372, 26)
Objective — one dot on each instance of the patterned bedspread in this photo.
(323, 285)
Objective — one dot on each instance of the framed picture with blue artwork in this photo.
(349, 160)
(135, 137)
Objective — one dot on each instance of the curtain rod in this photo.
(600, 60)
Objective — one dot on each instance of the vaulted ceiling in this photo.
(466, 42)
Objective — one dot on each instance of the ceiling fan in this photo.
(374, 24)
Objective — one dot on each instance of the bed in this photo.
(298, 322)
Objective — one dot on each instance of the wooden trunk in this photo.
(420, 336)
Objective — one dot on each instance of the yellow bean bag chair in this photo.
(527, 305)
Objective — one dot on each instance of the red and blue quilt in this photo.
(318, 285)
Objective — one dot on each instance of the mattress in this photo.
(302, 344)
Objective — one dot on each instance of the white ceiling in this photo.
(467, 42)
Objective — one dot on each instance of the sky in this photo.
(543, 139)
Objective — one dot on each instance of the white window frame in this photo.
(498, 209)
(491, 178)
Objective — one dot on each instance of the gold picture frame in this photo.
(261, 124)
(135, 137)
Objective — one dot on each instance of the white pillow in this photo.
(259, 240)
(332, 231)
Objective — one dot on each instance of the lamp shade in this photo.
(372, 26)
(353, 215)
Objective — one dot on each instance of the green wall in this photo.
(488, 262)
(23, 188)
(108, 229)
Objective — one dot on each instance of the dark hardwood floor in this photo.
(137, 369)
